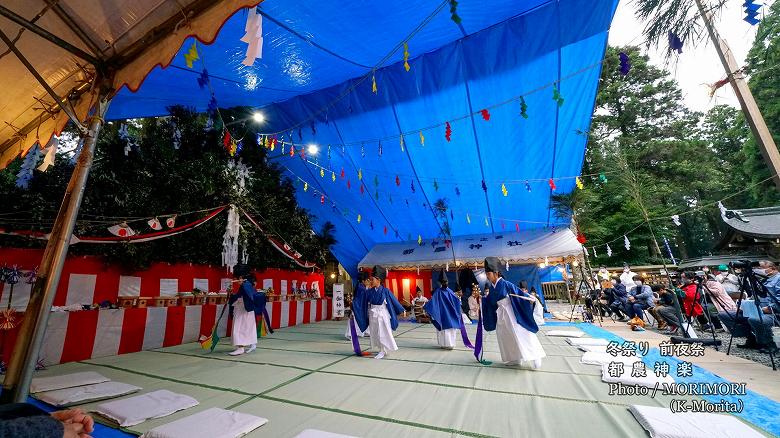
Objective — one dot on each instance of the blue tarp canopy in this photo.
(314, 86)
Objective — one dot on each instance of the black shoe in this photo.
(750, 345)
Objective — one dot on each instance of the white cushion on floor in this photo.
(593, 358)
(134, 410)
(86, 393)
(587, 341)
(40, 384)
(212, 423)
(566, 333)
(663, 423)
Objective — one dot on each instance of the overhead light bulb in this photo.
(258, 117)
(313, 149)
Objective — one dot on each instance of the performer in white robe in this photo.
(382, 308)
(244, 330)
(358, 301)
(510, 312)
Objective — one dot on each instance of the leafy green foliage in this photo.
(157, 179)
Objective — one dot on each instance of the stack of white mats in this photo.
(663, 423)
(578, 342)
(566, 333)
(212, 423)
(599, 358)
(77, 388)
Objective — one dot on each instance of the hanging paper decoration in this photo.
(230, 240)
(413, 191)
(121, 230)
(384, 230)
(333, 176)
(305, 186)
(233, 148)
(468, 218)
(448, 131)
(626, 243)
(362, 188)
(484, 186)
(435, 185)
(587, 253)
(625, 63)
(609, 251)
(380, 148)
(557, 96)
(273, 142)
(401, 141)
(26, 172)
(485, 114)
(502, 225)
(578, 181)
(527, 186)
(292, 151)
(751, 12)
(406, 56)
(342, 173)
(154, 224)
(253, 36)
(503, 189)
(581, 238)
(454, 12)
(322, 173)
(349, 185)
(176, 138)
(517, 227)
(322, 199)
(419, 239)
(303, 154)
(360, 174)
(675, 43)
(203, 78)
(594, 252)
(376, 181)
(551, 182)
(523, 108)
(171, 221)
(457, 191)
(371, 224)
(486, 222)
(422, 139)
(397, 181)
(603, 178)
(389, 199)
(225, 138)
(77, 151)
(359, 218)
(373, 83)
(376, 195)
(676, 219)
(50, 154)
(191, 55)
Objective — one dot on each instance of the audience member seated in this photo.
(620, 298)
(474, 303)
(661, 299)
(23, 420)
(761, 324)
(639, 299)
(417, 305)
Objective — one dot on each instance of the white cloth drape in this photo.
(244, 326)
(446, 338)
(515, 343)
(380, 329)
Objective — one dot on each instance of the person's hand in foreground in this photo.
(76, 422)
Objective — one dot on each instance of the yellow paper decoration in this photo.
(406, 57)
(273, 145)
(503, 189)
(191, 55)
(305, 186)
(360, 173)
(468, 218)
(486, 223)
(422, 139)
(579, 183)
(419, 239)
(359, 218)
(322, 173)
(373, 83)
(333, 176)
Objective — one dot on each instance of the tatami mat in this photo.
(307, 377)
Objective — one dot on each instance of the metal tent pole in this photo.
(28, 344)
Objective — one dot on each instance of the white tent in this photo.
(514, 248)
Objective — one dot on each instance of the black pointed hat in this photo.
(492, 264)
(443, 277)
(379, 272)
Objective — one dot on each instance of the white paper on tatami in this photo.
(212, 423)
(134, 410)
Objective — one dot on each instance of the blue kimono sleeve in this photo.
(444, 309)
(490, 308)
(259, 299)
(360, 307)
(394, 308)
(247, 293)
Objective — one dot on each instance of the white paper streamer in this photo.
(626, 242)
(253, 36)
(51, 154)
(676, 219)
(230, 240)
(609, 251)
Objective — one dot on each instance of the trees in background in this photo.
(155, 178)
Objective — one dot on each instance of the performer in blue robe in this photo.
(510, 312)
(444, 310)
(244, 331)
(359, 306)
(381, 310)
